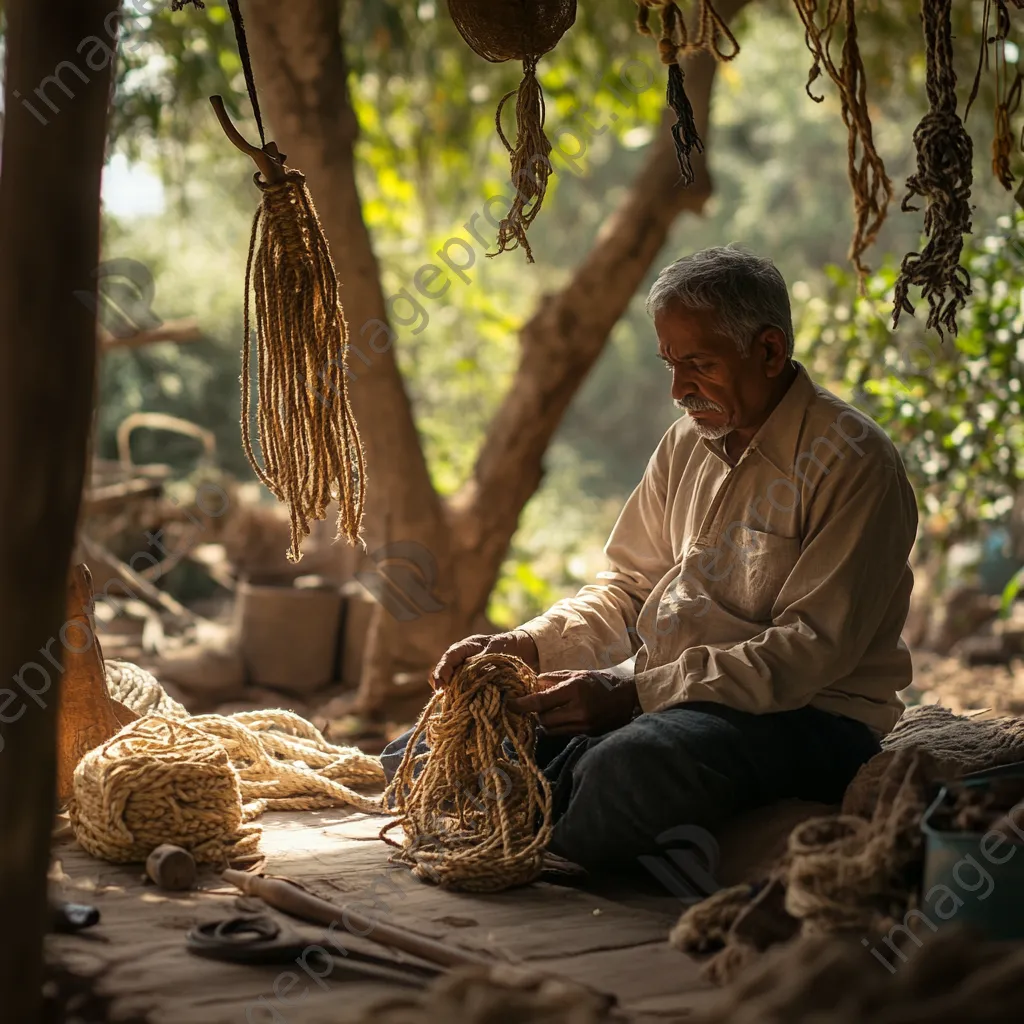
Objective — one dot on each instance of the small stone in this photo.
(596, 913)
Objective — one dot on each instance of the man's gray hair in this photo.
(746, 292)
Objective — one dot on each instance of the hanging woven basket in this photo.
(500, 30)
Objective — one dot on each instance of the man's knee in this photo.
(392, 754)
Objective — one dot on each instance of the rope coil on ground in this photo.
(198, 782)
(840, 872)
(473, 817)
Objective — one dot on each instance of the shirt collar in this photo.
(779, 434)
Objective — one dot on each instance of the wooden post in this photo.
(56, 93)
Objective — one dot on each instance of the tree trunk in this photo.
(298, 55)
(49, 247)
(300, 66)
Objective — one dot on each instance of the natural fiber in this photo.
(307, 432)
(943, 180)
(139, 691)
(495, 995)
(872, 189)
(858, 869)
(840, 872)
(199, 782)
(473, 817)
(674, 44)
(501, 30)
(950, 979)
(1007, 95)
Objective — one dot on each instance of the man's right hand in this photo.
(517, 642)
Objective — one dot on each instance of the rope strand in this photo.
(943, 179)
(459, 833)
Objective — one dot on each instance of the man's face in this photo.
(720, 389)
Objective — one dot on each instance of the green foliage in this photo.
(953, 410)
(428, 158)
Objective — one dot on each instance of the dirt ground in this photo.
(997, 689)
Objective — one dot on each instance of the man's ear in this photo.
(773, 345)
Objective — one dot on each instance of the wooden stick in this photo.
(97, 552)
(108, 497)
(290, 899)
(269, 161)
(177, 331)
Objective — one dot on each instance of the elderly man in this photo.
(758, 575)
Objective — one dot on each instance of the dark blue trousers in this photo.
(695, 765)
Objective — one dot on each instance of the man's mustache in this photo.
(695, 404)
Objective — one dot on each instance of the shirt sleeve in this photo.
(852, 563)
(596, 629)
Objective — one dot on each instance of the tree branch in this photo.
(178, 331)
(563, 340)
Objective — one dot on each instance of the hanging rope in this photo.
(307, 431)
(673, 45)
(473, 817)
(872, 189)
(529, 158)
(1008, 95)
(525, 30)
(943, 179)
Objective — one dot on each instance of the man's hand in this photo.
(517, 643)
(580, 702)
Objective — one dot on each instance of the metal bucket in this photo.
(971, 878)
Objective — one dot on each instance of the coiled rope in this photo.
(473, 817)
(200, 782)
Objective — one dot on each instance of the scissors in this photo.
(259, 939)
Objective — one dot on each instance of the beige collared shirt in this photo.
(768, 585)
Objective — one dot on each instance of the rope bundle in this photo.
(952, 978)
(673, 45)
(943, 179)
(525, 30)
(198, 783)
(840, 872)
(473, 817)
(872, 189)
(307, 431)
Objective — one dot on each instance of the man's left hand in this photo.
(580, 702)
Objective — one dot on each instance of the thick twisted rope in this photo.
(139, 691)
(307, 431)
(943, 179)
(199, 783)
(473, 817)
(872, 189)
